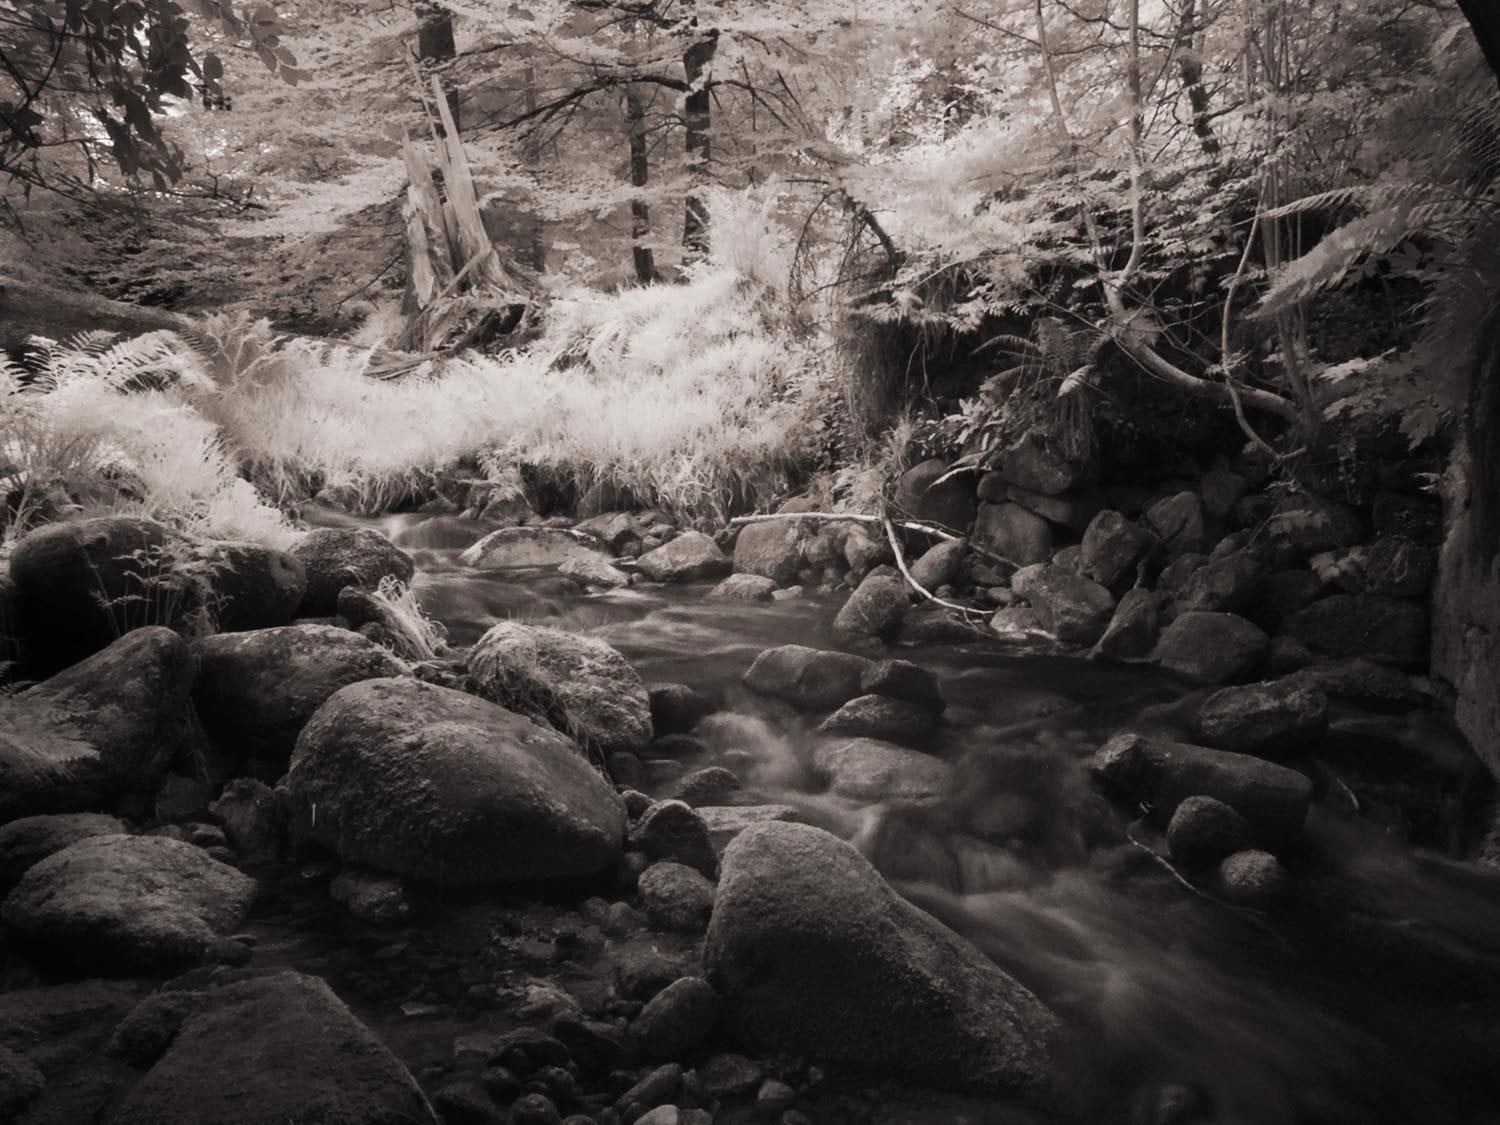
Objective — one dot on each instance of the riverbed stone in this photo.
(26, 842)
(269, 1050)
(532, 546)
(874, 611)
(814, 953)
(1270, 719)
(82, 584)
(1212, 648)
(1132, 630)
(1161, 774)
(744, 588)
(1113, 548)
(939, 564)
(1073, 608)
(251, 815)
(690, 557)
(1386, 630)
(1178, 521)
(725, 822)
(1020, 536)
(1283, 593)
(1229, 583)
(1398, 566)
(579, 682)
(101, 729)
(1032, 463)
(1072, 509)
(1252, 878)
(429, 783)
(901, 679)
(616, 530)
(923, 496)
(867, 769)
(593, 572)
(676, 897)
(879, 716)
(1304, 524)
(809, 678)
(1220, 490)
(335, 557)
(256, 690)
(676, 1019)
(126, 903)
(676, 708)
(1203, 830)
(673, 830)
(772, 549)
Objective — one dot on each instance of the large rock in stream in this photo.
(100, 730)
(264, 1051)
(577, 683)
(867, 769)
(113, 903)
(810, 678)
(1161, 774)
(256, 690)
(335, 557)
(814, 953)
(533, 547)
(430, 783)
(690, 557)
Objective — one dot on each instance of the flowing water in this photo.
(1373, 999)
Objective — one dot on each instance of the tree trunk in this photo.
(537, 241)
(28, 309)
(696, 61)
(435, 42)
(1190, 69)
(640, 210)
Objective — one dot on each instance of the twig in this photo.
(890, 535)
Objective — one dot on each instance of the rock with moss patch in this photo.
(430, 783)
(581, 684)
(335, 557)
(251, 586)
(126, 903)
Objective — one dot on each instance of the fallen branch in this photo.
(908, 525)
(911, 580)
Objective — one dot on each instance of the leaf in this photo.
(1075, 380)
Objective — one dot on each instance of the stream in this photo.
(1373, 998)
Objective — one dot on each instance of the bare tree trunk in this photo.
(435, 42)
(640, 210)
(538, 241)
(696, 61)
(1190, 69)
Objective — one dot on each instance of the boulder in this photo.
(676, 1019)
(866, 769)
(712, 785)
(1013, 533)
(1069, 509)
(672, 830)
(901, 679)
(814, 954)
(592, 571)
(335, 557)
(939, 564)
(522, 547)
(1269, 720)
(256, 691)
(772, 549)
(430, 783)
(1016, 622)
(582, 685)
(251, 817)
(1178, 522)
(250, 586)
(1031, 463)
(865, 549)
(616, 530)
(81, 584)
(1386, 630)
(676, 897)
(881, 717)
(1283, 593)
(1132, 630)
(691, 557)
(949, 503)
(1226, 584)
(1204, 830)
(874, 610)
(1073, 608)
(744, 588)
(126, 904)
(809, 678)
(26, 842)
(400, 628)
(271, 1050)
(102, 729)
(1212, 648)
(676, 708)
(1399, 567)
(1112, 549)
(725, 822)
(1304, 524)
(1354, 677)
(1220, 490)
(1161, 774)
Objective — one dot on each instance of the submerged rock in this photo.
(100, 730)
(126, 903)
(256, 690)
(814, 953)
(335, 557)
(809, 678)
(430, 783)
(272, 1050)
(1162, 774)
(579, 683)
(879, 716)
(865, 769)
(744, 588)
(901, 679)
